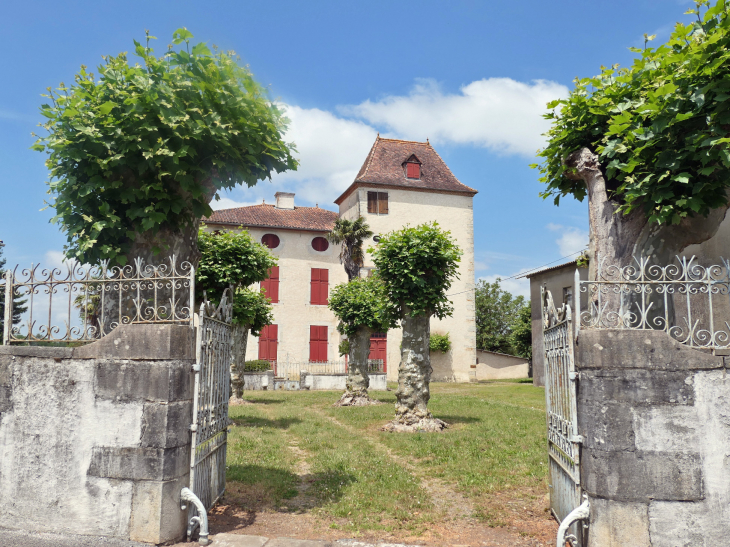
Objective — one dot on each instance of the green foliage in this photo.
(229, 258)
(520, 337)
(350, 234)
(19, 306)
(660, 127)
(344, 347)
(252, 310)
(496, 312)
(440, 342)
(146, 147)
(418, 265)
(361, 302)
(259, 365)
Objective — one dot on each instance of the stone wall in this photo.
(96, 439)
(655, 416)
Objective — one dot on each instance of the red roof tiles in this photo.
(384, 166)
(299, 218)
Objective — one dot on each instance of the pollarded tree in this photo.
(137, 154)
(235, 259)
(649, 145)
(362, 307)
(350, 234)
(417, 266)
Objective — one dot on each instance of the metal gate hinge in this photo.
(576, 439)
(196, 367)
(573, 375)
(193, 427)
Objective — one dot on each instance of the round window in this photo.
(320, 244)
(270, 240)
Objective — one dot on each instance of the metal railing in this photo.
(85, 303)
(291, 370)
(687, 300)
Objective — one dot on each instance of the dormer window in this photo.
(413, 167)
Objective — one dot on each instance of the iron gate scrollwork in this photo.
(210, 414)
(562, 424)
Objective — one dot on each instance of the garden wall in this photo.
(655, 416)
(499, 366)
(316, 382)
(96, 439)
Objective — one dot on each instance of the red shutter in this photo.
(270, 285)
(413, 171)
(379, 349)
(268, 342)
(317, 343)
(319, 293)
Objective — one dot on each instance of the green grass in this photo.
(496, 444)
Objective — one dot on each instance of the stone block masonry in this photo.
(655, 417)
(95, 440)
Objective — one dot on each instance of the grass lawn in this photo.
(294, 451)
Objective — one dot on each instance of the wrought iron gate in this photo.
(560, 395)
(210, 413)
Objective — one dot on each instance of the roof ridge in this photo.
(449, 168)
(403, 140)
(370, 156)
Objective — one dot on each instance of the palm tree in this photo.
(350, 234)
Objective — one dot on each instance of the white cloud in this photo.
(497, 113)
(330, 150)
(518, 287)
(571, 240)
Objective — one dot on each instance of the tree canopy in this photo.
(145, 147)
(417, 265)
(350, 234)
(230, 258)
(361, 303)
(660, 127)
(497, 315)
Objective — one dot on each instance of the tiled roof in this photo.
(299, 218)
(384, 165)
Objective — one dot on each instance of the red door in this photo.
(268, 342)
(379, 348)
(317, 343)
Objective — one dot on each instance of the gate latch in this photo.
(576, 439)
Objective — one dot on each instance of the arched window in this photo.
(320, 244)
(270, 240)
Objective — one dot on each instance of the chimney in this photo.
(284, 200)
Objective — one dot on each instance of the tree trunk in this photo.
(615, 238)
(358, 381)
(414, 377)
(238, 360)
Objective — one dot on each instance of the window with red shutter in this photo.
(271, 241)
(319, 294)
(320, 244)
(270, 285)
(268, 341)
(317, 343)
(413, 170)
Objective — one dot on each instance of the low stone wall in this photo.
(95, 440)
(499, 366)
(655, 416)
(316, 382)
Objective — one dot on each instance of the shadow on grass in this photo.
(251, 489)
(261, 401)
(457, 419)
(253, 421)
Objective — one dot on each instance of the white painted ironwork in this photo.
(689, 301)
(85, 303)
(582, 512)
(210, 407)
(562, 423)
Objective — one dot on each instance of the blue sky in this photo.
(471, 76)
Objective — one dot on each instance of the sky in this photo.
(472, 77)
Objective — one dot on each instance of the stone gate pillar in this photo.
(655, 417)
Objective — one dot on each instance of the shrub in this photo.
(440, 342)
(259, 365)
